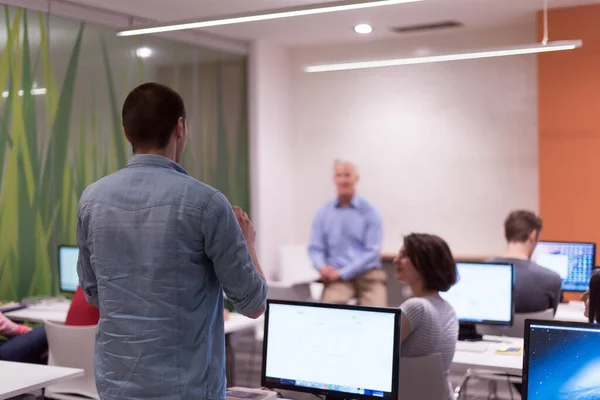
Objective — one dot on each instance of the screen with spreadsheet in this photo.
(561, 361)
(67, 268)
(331, 348)
(475, 300)
(572, 261)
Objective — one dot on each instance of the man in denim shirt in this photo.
(156, 250)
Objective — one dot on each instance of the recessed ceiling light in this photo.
(363, 29)
(143, 52)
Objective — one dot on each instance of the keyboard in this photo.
(472, 347)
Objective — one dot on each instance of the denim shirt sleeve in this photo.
(87, 277)
(226, 247)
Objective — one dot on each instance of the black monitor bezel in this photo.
(59, 269)
(512, 295)
(526, 338)
(328, 393)
(573, 242)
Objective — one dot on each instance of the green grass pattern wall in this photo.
(53, 146)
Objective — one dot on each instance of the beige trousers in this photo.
(370, 289)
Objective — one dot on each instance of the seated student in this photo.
(81, 313)
(536, 288)
(591, 298)
(429, 323)
(23, 344)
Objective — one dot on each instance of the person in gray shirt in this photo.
(429, 323)
(536, 288)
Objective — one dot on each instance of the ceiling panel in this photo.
(335, 27)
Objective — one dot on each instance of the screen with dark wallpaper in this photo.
(564, 362)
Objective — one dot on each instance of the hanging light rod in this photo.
(265, 15)
(487, 53)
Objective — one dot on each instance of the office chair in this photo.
(73, 347)
(422, 378)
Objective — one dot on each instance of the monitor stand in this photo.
(468, 332)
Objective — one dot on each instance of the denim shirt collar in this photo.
(155, 160)
(354, 203)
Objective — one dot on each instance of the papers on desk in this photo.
(11, 306)
(472, 347)
(515, 350)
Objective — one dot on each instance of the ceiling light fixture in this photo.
(487, 53)
(265, 15)
(35, 92)
(363, 29)
(143, 52)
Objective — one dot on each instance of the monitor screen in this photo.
(329, 349)
(476, 300)
(572, 261)
(67, 268)
(561, 361)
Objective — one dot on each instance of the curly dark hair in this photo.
(433, 259)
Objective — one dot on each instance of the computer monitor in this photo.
(561, 360)
(339, 351)
(484, 294)
(572, 261)
(67, 268)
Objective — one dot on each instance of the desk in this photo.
(57, 312)
(572, 311)
(490, 360)
(486, 364)
(52, 311)
(21, 378)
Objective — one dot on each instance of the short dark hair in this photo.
(150, 113)
(519, 224)
(433, 259)
(594, 310)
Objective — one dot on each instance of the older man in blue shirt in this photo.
(345, 244)
(157, 248)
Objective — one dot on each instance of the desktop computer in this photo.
(561, 361)
(67, 268)
(339, 351)
(572, 261)
(484, 294)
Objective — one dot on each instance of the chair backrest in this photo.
(517, 330)
(295, 265)
(72, 346)
(422, 378)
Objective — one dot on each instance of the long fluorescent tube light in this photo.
(498, 52)
(35, 92)
(266, 15)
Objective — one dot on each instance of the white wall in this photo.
(446, 148)
(271, 178)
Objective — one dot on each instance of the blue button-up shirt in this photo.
(347, 238)
(156, 250)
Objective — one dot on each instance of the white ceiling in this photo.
(335, 27)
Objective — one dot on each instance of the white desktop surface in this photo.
(52, 311)
(57, 312)
(572, 312)
(20, 378)
(490, 360)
